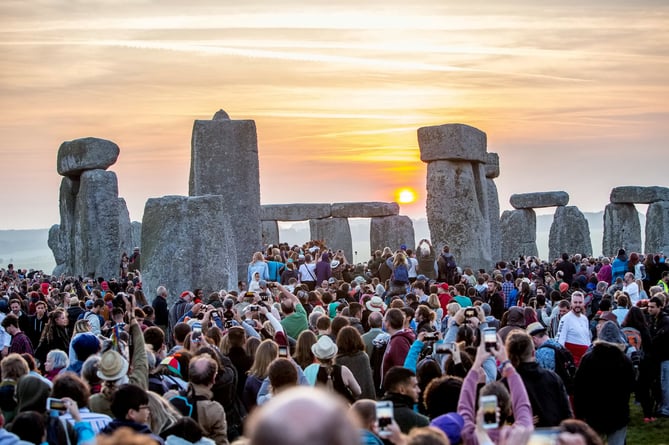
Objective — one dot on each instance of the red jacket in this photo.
(397, 349)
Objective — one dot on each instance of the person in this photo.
(210, 414)
(516, 403)
(258, 265)
(603, 384)
(365, 411)
(160, 310)
(635, 324)
(130, 407)
(70, 385)
(375, 322)
(302, 416)
(351, 354)
(54, 336)
(56, 362)
(12, 368)
(631, 288)
(178, 310)
(659, 332)
(545, 389)
(295, 320)
(446, 266)
(425, 254)
(401, 388)
(20, 343)
(567, 268)
(619, 266)
(400, 340)
(336, 378)
(266, 353)
(37, 322)
(574, 329)
(307, 272)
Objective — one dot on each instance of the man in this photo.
(418, 289)
(37, 322)
(631, 288)
(567, 268)
(130, 407)
(664, 282)
(16, 309)
(495, 299)
(354, 316)
(402, 389)
(619, 266)
(659, 331)
(544, 345)
(574, 329)
(545, 389)
(295, 320)
(93, 316)
(560, 310)
(460, 296)
(400, 340)
(180, 307)
(20, 342)
(160, 310)
(375, 321)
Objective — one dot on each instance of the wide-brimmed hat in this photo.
(334, 264)
(112, 366)
(324, 348)
(536, 328)
(376, 304)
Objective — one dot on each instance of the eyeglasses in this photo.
(141, 407)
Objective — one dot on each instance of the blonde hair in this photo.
(267, 351)
(452, 308)
(163, 414)
(80, 326)
(258, 256)
(433, 301)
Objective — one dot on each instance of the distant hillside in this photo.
(29, 249)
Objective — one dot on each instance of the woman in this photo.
(163, 413)
(635, 326)
(323, 268)
(400, 274)
(425, 319)
(56, 361)
(636, 267)
(307, 272)
(54, 336)
(335, 378)
(524, 293)
(267, 352)
(125, 261)
(303, 355)
(426, 255)
(352, 355)
(434, 304)
(259, 265)
(290, 271)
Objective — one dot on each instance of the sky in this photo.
(572, 95)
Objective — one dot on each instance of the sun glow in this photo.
(405, 195)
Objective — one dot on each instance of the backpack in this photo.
(186, 403)
(401, 274)
(564, 365)
(633, 337)
(376, 362)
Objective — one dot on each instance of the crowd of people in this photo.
(408, 348)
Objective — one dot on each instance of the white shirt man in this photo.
(574, 329)
(631, 288)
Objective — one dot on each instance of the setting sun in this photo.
(405, 195)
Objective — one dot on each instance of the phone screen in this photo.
(489, 407)
(490, 338)
(384, 417)
(544, 436)
(53, 404)
(283, 351)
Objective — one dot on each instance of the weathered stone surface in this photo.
(96, 225)
(570, 233)
(638, 195)
(493, 212)
(492, 165)
(125, 228)
(136, 234)
(224, 161)
(539, 199)
(452, 142)
(518, 233)
(391, 231)
(79, 155)
(63, 246)
(60, 251)
(657, 228)
(295, 212)
(220, 115)
(364, 209)
(270, 233)
(188, 243)
(457, 211)
(621, 229)
(335, 232)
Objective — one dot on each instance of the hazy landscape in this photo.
(29, 249)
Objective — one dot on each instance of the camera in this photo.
(470, 312)
(228, 324)
(431, 337)
(254, 308)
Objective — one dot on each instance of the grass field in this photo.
(639, 433)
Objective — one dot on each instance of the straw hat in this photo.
(112, 366)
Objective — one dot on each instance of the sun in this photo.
(405, 195)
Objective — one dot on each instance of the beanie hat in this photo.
(451, 424)
(85, 344)
(564, 287)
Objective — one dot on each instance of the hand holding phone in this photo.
(384, 417)
(490, 338)
(488, 404)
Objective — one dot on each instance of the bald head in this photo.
(302, 415)
(375, 320)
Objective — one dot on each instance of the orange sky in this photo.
(572, 97)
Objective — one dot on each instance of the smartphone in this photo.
(470, 312)
(254, 307)
(431, 337)
(489, 406)
(544, 436)
(197, 333)
(384, 417)
(228, 324)
(490, 338)
(53, 404)
(283, 351)
(445, 348)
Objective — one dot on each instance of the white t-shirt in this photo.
(413, 263)
(632, 290)
(574, 329)
(307, 272)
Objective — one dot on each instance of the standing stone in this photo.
(79, 155)
(60, 251)
(224, 161)
(335, 232)
(570, 233)
(457, 194)
(621, 229)
(125, 228)
(65, 242)
(519, 234)
(188, 243)
(270, 233)
(492, 172)
(391, 231)
(96, 225)
(657, 228)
